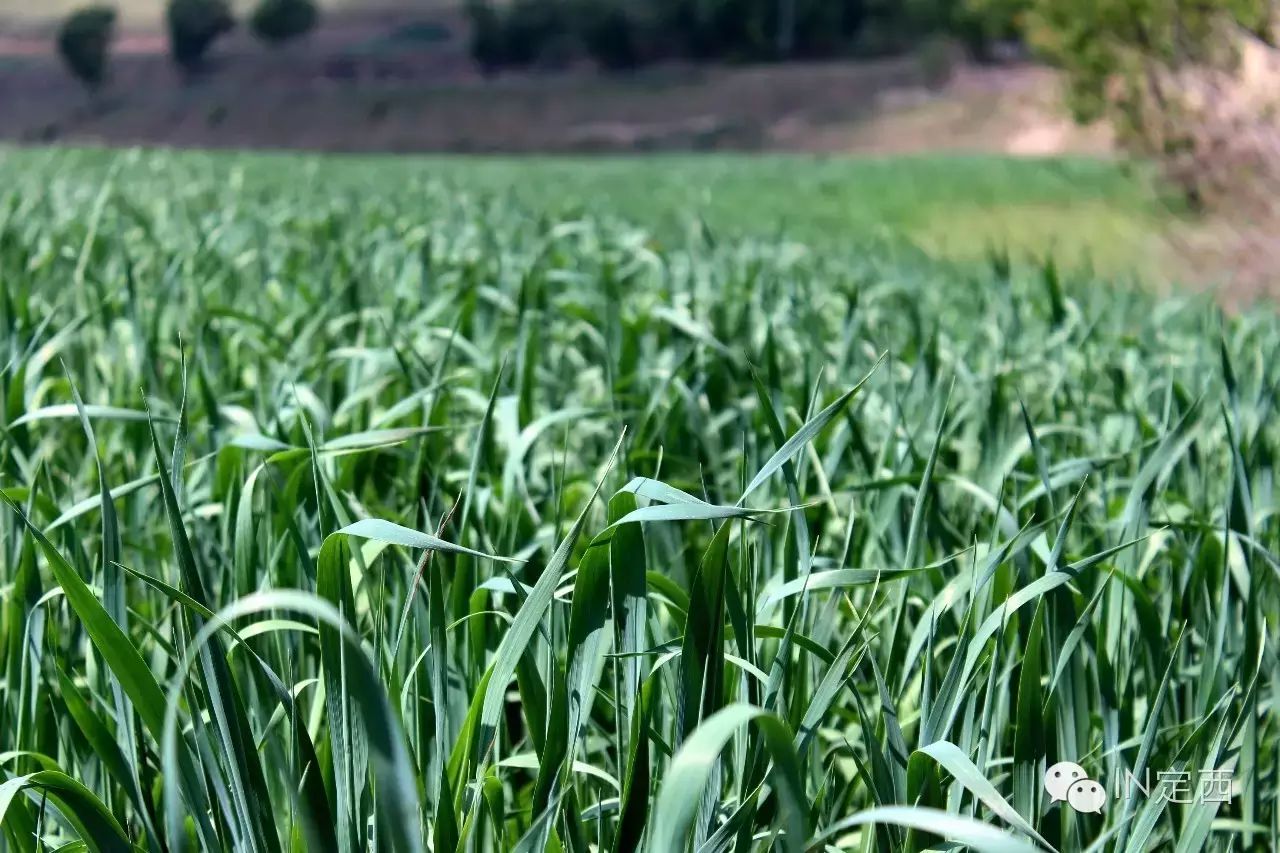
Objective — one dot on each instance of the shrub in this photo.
(522, 34)
(1165, 77)
(488, 47)
(758, 30)
(194, 25)
(823, 28)
(609, 35)
(532, 31)
(84, 42)
(984, 24)
(278, 21)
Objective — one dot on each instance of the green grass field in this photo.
(1084, 213)
(667, 505)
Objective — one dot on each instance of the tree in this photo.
(194, 25)
(84, 42)
(1138, 64)
(277, 21)
(980, 24)
(488, 45)
(531, 30)
(760, 30)
(609, 34)
(521, 33)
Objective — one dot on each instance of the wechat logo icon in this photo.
(1067, 781)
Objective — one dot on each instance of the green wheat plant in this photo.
(415, 519)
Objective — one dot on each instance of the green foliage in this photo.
(488, 39)
(760, 29)
(335, 519)
(996, 19)
(535, 31)
(84, 43)
(622, 35)
(520, 34)
(1117, 55)
(610, 34)
(194, 25)
(278, 21)
(981, 24)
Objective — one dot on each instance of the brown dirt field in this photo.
(425, 104)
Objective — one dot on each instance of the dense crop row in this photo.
(407, 521)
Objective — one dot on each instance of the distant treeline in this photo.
(621, 34)
(85, 37)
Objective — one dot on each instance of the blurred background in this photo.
(1130, 137)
